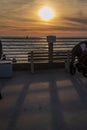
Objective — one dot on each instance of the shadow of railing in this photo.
(79, 87)
(57, 119)
(18, 107)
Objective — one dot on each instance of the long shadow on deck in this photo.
(57, 120)
(18, 106)
(81, 89)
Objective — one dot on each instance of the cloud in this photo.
(55, 28)
(21, 15)
(69, 28)
(79, 20)
(14, 7)
(82, 1)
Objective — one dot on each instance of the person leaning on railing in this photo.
(0, 49)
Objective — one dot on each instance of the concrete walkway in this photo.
(46, 100)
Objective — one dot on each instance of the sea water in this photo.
(19, 47)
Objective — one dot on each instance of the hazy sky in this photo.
(20, 18)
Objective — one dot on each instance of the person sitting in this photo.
(79, 51)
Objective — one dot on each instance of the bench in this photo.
(42, 57)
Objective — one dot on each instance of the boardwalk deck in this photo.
(46, 100)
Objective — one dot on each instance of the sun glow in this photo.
(46, 13)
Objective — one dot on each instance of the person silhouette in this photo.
(79, 50)
(79, 53)
(0, 49)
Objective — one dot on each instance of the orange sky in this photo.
(20, 18)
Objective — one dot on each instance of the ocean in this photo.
(19, 47)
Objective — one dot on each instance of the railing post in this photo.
(50, 40)
(1, 51)
(50, 51)
(32, 62)
(67, 62)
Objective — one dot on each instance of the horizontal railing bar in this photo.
(38, 44)
(58, 40)
(21, 49)
(35, 49)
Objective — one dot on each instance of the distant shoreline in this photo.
(27, 37)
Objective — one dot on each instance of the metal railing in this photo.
(20, 49)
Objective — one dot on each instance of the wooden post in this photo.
(1, 49)
(50, 40)
(32, 62)
(50, 51)
(67, 62)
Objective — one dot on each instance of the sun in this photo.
(46, 13)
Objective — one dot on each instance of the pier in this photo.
(46, 98)
(20, 49)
